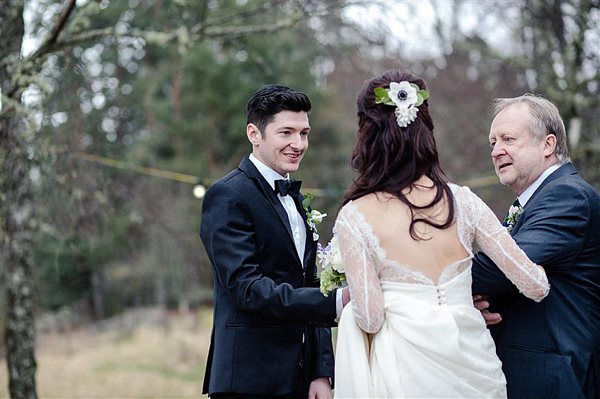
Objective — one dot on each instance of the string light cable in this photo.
(202, 183)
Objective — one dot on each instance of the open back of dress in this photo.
(411, 329)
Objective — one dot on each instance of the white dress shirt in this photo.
(296, 222)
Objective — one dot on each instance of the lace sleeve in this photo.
(496, 242)
(365, 288)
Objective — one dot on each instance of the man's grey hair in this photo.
(545, 120)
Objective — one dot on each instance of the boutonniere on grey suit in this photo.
(313, 217)
(513, 215)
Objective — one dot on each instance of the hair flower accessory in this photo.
(405, 96)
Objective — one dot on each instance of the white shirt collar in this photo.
(526, 195)
(269, 174)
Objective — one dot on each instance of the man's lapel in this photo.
(250, 170)
(309, 246)
(564, 170)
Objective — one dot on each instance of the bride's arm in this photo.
(496, 242)
(363, 280)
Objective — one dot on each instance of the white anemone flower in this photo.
(403, 94)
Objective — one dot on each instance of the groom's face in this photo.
(283, 143)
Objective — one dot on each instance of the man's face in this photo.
(518, 159)
(283, 143)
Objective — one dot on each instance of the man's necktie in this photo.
(290, 187)
(505, 222)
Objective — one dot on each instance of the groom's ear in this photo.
(253, 134)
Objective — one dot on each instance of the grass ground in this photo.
(155, 360)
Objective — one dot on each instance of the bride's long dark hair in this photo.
(390, 158)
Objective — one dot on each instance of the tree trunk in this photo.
(16, 214)
(98, 284)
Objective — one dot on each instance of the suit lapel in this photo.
(564, 170)
(250, 170)
(300, 208)
(309, 246)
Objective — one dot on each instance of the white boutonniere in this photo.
(313, 217)
(513, 215)
(333, 273)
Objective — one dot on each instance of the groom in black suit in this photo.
(271, 335)
(549, 349)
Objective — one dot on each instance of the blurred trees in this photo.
(547, 47)
(560, 44)
(504, 49)
(164, 84)
(128, 240)
(122, 79)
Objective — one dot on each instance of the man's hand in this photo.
(345, 296)
(320, 389)
(481, 304)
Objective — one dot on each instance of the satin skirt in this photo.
(433, 344)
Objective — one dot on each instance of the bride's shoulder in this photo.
(369, 199)
(364, 204)
(460, 191)
(359, 207)
(465, 198)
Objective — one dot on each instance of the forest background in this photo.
(113, 111)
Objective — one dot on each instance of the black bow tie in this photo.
(284, 187)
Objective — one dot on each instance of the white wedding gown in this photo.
(406, 336)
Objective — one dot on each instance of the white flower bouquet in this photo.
(332, 266)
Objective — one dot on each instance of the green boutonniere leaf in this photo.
(308, 197)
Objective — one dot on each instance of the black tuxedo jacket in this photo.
(551, 349)
(265, 302)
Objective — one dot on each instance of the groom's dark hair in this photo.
(272, 99)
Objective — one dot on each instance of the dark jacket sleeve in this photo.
(551, 231)
(322, 347)
(322, 359)
(228, 235)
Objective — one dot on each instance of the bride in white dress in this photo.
(406, 240)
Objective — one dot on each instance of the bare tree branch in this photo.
(203, 14)
(151, 36)
(206, 28)
(58, 28)
(198, 28)
(230, 32)
(164, 38)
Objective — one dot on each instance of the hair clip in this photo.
(405, 96)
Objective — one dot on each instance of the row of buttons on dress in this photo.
(441, 295)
